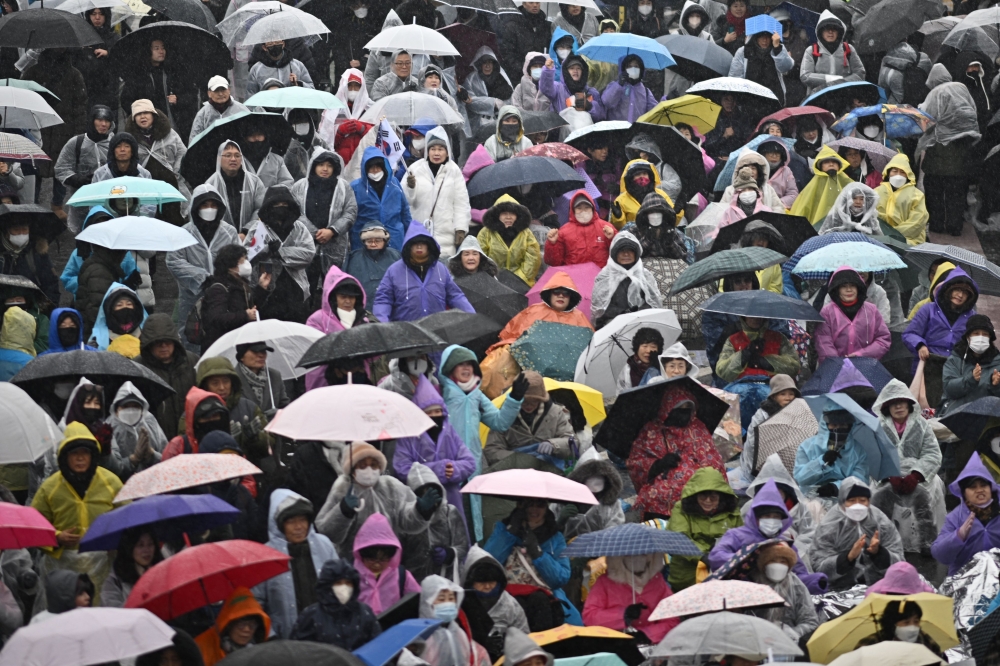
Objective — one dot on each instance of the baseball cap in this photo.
(217, 82)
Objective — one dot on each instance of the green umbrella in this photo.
(146, 190)
(551, 349)
(295, 97)
(727, 262)
(30, 85)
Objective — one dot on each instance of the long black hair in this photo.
(124, 564)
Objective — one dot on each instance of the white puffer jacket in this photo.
(441, 203)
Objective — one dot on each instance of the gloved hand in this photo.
(349, 505)
(616, 209)
(519, 387)
(831, 456)
(909, 483)
(252, 428)
(273, 246)
(663, 465)
(633, 612)
(463, 95)
(828, 490)
(411, 180)
(531, 544)
(78, 180)
(235, 429)
(133, 281)
(567, 512)
(438, 555)
(518, 523)
(27, 580)
(545, 448)
(428, 502)
(895, 482)
(104, 433)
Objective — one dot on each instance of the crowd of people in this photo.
(825, 434)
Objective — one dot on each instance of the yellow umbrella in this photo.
(841, 635)
(591, 400)
(569, 632)
(696, 111)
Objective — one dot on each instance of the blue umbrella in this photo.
(818, 242)
(862, 257)
(900, 120)
(762, 23)
(883, 458)
(392, 641)
(613, 46)
(802, 18)
(725, 178)
(169, 515)
(761, 304)
(826, 375)
(835, 98)
(631, 539)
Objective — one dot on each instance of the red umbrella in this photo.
(796, 111)
(559, 151)
(203, 575)
(24, 527)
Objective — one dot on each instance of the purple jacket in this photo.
(449, 448)
(948, 548)
(557, 92)
(736, 538)
(403, 296)
(867, 335)
(627, 101)
(930, 326)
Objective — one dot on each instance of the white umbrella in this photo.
(288, 339)
(234, 27)
(406, 108)
(85, 636)
(119, 9)
(25, 109)
(609, 349)
(284, 24)
(28, 431)
(415, 39)
(726, 633)
(133, 232)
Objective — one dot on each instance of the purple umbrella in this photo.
(877, 153)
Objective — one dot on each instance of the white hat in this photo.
(217, 82)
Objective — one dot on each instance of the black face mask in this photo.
(838, 437)
(91, 414)
(281, 215)
(275, 51)
(203, 428)
(438, 421)
(124, 321)
(69, 337)
(678, 418)
(509, 132)
(255, 151)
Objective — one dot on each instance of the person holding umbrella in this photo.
(219, 104)
(757, 351)
(277, 62)
(242, 189)
(764, 60)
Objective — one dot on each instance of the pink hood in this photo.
(325, 319)
(900, 578)
(479, 159)
(383, 592)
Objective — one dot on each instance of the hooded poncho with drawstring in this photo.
(954, 111)
(643, 290)
(842, 219)
(244, 192)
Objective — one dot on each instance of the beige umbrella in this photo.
(784, 432)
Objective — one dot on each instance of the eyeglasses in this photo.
(380, 557)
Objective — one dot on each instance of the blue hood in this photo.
(558, 34)
(94, 211)
(371, 153)
(54, 344)
(101, 332)
(423, 125)
(416, 229)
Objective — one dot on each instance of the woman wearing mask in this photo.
(900, 621)
(641, 19)
(747, 198)
(228, 300)
(595, 471)
(628, 98)
(136, 553)
(972, 370)
(351, 91)
(828, 181)
(571, 89)
(338, 617)
(729, 30)
(856, 209)
(435, 190)
(526, 96)
(973, 525)
(764, 60)
(624, 599)
(639, 179)
(576, 241)
(808, 137)
(377, 558)
(900, 204)
(137, 437)
(119, 321)
(450, 644)
(797, 618)
(623, 285)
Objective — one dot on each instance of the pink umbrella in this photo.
(24, 527)
(350, 413)
(583, 276)
(185, 471)
(530, 483)
(716, 595)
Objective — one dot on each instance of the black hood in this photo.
(491, 218)
(117, 140)
(60, 590)
(571, 85)
(327, 156)
(276, 194)
(331, 572)
(208, 195)
(433, 248)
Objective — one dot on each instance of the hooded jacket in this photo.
(523, 320)
(241, 409)
(93, 155)
(838, 335)
(447, 527)
(496, 147)
(830, 68)
(105, 172)
(608, 510)
(71, 273)
(527, 96)
(240, 604)
(16, 342)
(281, 70)
(179, 372)
(841, 219)
(187, 442)
(101, 333)
(900, 58)
(549, 423)
(325, 319)
(251, 192)
(208, 114)
(811, 471)
(817, 198)
(478, 87)
(54, 343)
(770, 197)
(580, 243)
(959, 386)
(626, 205)
(523, 256)
(486, 265)
(623, 586)
(347, 626)
(297, 247)
(450, 644)
(440, 201)
(903, 209)
(343, 211)
(383, 592)
(778, 352)
(391, 208)
(553, 84)
(505, 612)
(930, 326)
(126, 437)
(918, 448)
(949, 548)
(803, 527)
(797, 617)
(618, 289)
(379, 62)
(704, 30)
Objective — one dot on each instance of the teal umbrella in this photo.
(295, 97)
(146, 190)
(551, 349)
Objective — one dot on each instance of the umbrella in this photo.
(979, 31)
(551, 349)
(396, 338)
(683, 155)
(456, 327)
(934, 33)
(901, 120)
(87, 636)
(530, 483)
(41, 219)
(763, 23)
(984, 272)
(555, 150)
(968, 421)
(46, 94)
(631, 539)
(570, 641)
(235, 26)
(726, 633)
(203, 151)
(106, 369)
(716, 595)
(794, 112)
(611, 347)
(16, 148)
(24, 527)
(842, 634)
(29, 432)
(25, 109)
(783, 433)
(571, 395)
(761, 304)
(295, 97)
(720, 264)
(293, 652)
(288, 23)
(636, 407)
(137, 233)
(693, 110)
(839, 97)
(889, 653)
(146, 190)
(202, 53)
(616, 131)
(801, 18)
(613, 46)
(415, 39)
(598, 659)
(825, 377)
(407, 108)
(794, 229)
(487, 6)
(534, 122)
(119, 9)
(172, 515)
(697, 59)
(363, 414)
(891, 22)
(725, 178)
(583, 276)
(876, 152)
(742, 564)
(390, 642)
(288, 340)
(883, 458)
(818, 242)
(205, 574)
(491, 298)
(546, 175)
(512, 281)
(981, 635)
(862, 257)
(193, 12)
(47, 29)
(183, 472)
(746, 92)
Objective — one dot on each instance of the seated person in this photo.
(856, 209)
(852, 326)
(487, 580)
(756, 350)
(900, 621)
(832, 455)
(803, 523)
(542, 429)
(241, 624)
(972, 370)
(817, 198)
(938, 326)
(973, 525)
(900, 203)
(797, 618)
(673, 362)
(625, 597)
(507, 240)
(623, 285)
(338, 618)
(520, 650)
(441, 599)
(647, 343)
(377, 559)
(783, 392)
(595, 471)
(639, 179)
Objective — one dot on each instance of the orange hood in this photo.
(562, 279)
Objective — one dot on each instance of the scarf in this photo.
(986, 514)
(637, 369)
(807, 149)
(849, 309)
(761, 69)
(470, 385)
(738, 23)
(256, 381)
(234, 195)
(508, 234)
(221, 108)
(79, 482)
(347, 317)
(303, 575)
(9, 247)
(900, 427)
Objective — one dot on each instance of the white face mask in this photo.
(748, 196)
(595, 484)
(417, 366)
(645, 10)
(979, 343)
(870, 131)
(694, 21)
(19, 240)
(245, 269)
(856, 512)
(563, 53)
(129, 415)
(898, 181)
(908, 634)
(352, 95)
(776, 572)
(208, 214)
(633, 73)
(584, 215)
(536, 73)
(361, 12)
(63, 390)
(995, 445)
(655, 219)
(769, 526)
(418, 144)
(376, 177)
(367, 477)
(301, 128)
(344, 591)
(774, 165)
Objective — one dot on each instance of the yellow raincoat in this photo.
(939, 275)
(817, 197)
(126, 345)
(18, 332)
(903, 209)
(627, 203)
(523, 257)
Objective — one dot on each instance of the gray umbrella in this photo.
(979, 31)
(891, 21)
(697, 59)
(726, 633)
(935, 32)
(985, 273)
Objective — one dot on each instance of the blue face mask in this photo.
(446, 612)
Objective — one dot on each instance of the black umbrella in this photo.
(476, 331)
(491, 298)
(18, 282)
(761, 304)
(200, 53)
(47, 29)
(679, 153)
(203, 154)
(795, 230)
(407, 608)
(106, 369)
(697, 59)
(395, 339)
(194, 12)
(293, 652)
(41, 219)
(509, 279)
(969, 420)
(545, 174)
(534, 122)
(892, 21)
(636, 407)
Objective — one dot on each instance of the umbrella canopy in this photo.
(862, 257)
(46, 94)
(289, 341)
(693, 110)
(611, 347)
(551, 349)
(24, 527)
(203, 54)
(183, 472)
(407, 108)
(697, 59)
(725, 177)
(415, 39)
(193, 12)
(636, 407)
(818, 242)
(763, 23)
(901, 120)
(390, 642)
(569, 394)
(546, 175)
(456, 327)
(794, 112)
(293, 652)
(555, 150)
(570, 641)
(204, 574)
(842, 634)
(284, 24)
(491, 298)
(138, 233)
(783, 433)
(984, 272)
(968, 421)
(530, 483)
(119, 9)
(88, 636)
(613, 46)
(583, 276)
(16, 148)
(29, 432)
(631, 539)
(825, 376)
(295, 97)
(883, 458)
(839, 97)
(47, 29)
(395, 338)
(889, 653)
(891, 22)
(364, 414)
(726, 633)
(876, 152)
(534, 122)
(934, 33)
(748, 94)
(761, 304)
(146, 190)
(203, 151)
(614, 131)
(598, 659)
(25, 109)
(683, 155)
(742, 564)
(802, 18)
(41, 219)
(716, 595)
(794, 229)
(979, 31)
(720, 264)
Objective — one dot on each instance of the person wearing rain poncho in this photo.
(856, 209)
(328, 207)
(803, 527)
(16, 346)
(378, 559)
(118, 322)
(487, 79)
(240, 625)
(509, 138)
(661, 240)
(782, 178)
(241, 189)
(797, 617)
(527, 96)
(623, 285)
(449, 536)
(972, 370)
(938, 326)
(974, 525)
(627, 98)
(833, 455)
(338, 617)
(625, 597)
(783, 392)
(673, 362)
(817, 198)
(756, 351)
(137, 437)
(852, 326)
(900, 204)
(595, 471)
(762, 234)
(398, 80)
(435, 190)
(747, 198)
(451, 644)
(831, 60)
(643, 147)
(379, 197)
(639, 179)
(483, 576)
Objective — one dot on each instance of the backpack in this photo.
(914, 85)
(847, 54)
(194, 327)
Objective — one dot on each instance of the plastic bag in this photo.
(917, 387)
(912, 514)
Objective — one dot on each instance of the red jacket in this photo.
(579, 243)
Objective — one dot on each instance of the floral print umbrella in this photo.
(716, 595)
(186, 471)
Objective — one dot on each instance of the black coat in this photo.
(102, 84)
(140, 85)
(523, 32)
(34, 264)
(179, 373)
(224, 309)
(423, 11)
(297, 47)
(347, 626)
(98, 272)
(310, 473)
